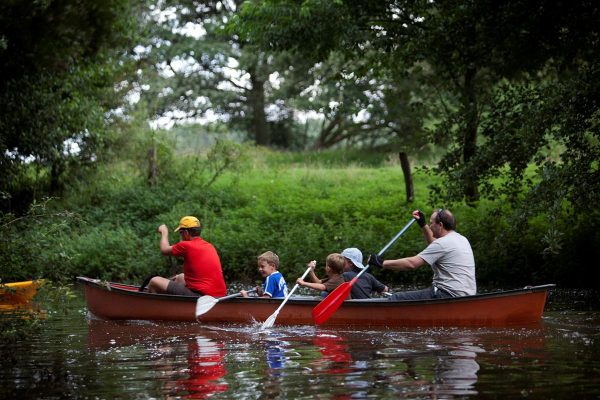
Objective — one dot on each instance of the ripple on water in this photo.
(74, 357)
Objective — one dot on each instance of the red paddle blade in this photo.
(332, 302)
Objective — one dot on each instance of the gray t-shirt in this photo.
(451, 259)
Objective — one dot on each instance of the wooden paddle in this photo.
(271, 320)
(334, 300)
(205, 303)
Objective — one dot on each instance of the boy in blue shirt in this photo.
(274, 285)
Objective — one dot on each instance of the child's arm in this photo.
(379, 287)
(317, 286)
(258, 290)
(312, 277)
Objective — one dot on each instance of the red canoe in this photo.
(115, 301)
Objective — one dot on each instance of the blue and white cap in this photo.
(353, 254)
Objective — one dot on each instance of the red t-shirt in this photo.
(201, 266)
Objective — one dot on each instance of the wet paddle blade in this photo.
(332, 302)
(204, 304)
(270, 321)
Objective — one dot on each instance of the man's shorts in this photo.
(180, 290)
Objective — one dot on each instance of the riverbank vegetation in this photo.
(298, 127)
(303, 206)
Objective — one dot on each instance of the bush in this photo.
(300, 212)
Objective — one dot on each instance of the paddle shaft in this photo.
(291, 292)
(385, 248)
(231, 296)
(334, 300)
(205, 303)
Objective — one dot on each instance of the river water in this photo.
(74, 356)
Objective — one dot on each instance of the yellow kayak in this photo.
(19, 292)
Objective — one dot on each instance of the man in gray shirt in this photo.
(449, 254)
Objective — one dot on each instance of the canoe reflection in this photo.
(185, 360)
(205, 367)
(191, 365)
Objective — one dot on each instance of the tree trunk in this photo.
(470, 135)
(56, 170)
(256, 97)
(408, 182)
(152, 167)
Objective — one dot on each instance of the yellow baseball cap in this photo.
(188, 222)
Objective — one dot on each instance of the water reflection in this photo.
(334, 351)
(359, 364)
(456, 373)
(205, 368)
(188, 364)
(72, 357)
(192, 361)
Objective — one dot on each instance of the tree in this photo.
(468, 48)
(198, 71)
(58, 60)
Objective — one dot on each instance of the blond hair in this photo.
(270, 258)
(336, 262)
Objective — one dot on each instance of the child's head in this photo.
(267, 263)
(353, 258)
(335, 262)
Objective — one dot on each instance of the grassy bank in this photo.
(302, 206)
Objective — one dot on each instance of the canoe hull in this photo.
(516, 307)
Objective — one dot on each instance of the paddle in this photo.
(334, 300)
(205, 303)
(146, 282)
(271, 320)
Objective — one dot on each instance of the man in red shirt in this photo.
(202, 273)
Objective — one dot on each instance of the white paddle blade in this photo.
(204, 304)
(270, 321)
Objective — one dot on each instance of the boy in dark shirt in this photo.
(367, 283)
(334, 266)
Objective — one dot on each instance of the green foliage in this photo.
(329, 158)
(36, 244)
(501, 74)
(113, 254)
(302, 211)
(215, 75)
(58, 75)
